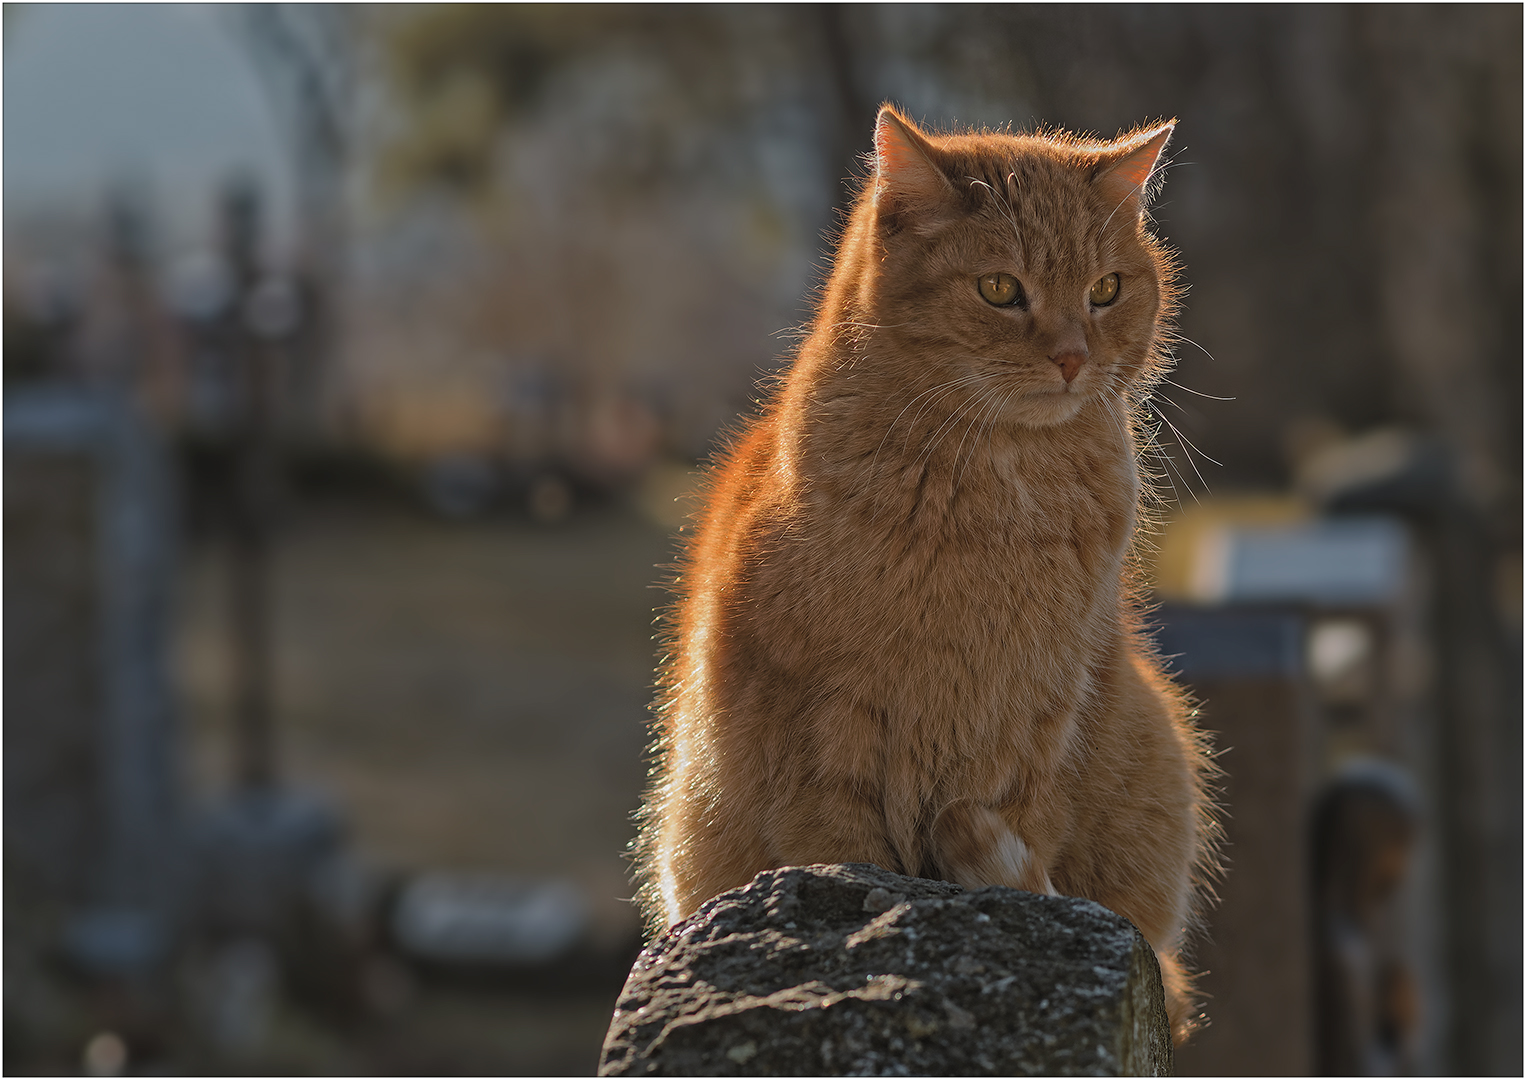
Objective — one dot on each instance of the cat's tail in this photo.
(1182, 1010)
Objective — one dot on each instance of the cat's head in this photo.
(1025, 258)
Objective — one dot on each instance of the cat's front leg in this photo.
(974, 846)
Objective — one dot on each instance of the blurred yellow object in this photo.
(1185, 545)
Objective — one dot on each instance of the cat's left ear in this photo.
(906, 170)
(1124, 173)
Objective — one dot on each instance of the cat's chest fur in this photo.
(973, 590)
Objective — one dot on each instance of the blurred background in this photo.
(358, 360)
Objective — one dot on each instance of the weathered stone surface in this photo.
(852, 970)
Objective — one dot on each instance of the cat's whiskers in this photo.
(1187, 448)
(869, 325)
(938, 436)
(990, 426)
(1199, 393)
(987, 399)
(941, 390)
(924, 456)
(1177, 335)
(1188, 444)
(799, 330)
(944, 391)
(1144, 400)
(1190, 415)
(1169, 471)
(1158, 396)
(1149, 432)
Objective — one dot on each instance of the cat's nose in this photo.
(1067, 349)
(1070, 363)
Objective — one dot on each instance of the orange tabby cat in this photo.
(904, 632)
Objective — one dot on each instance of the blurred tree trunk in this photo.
(306, 53)
(1450, 206)
(853, 113)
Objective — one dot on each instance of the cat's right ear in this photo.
(906, 176)
(1125, 173)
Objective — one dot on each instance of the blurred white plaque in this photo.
(482, 919)
(1334, 562)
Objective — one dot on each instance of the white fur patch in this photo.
(1012, 856)
(1008, 862)
(1016, 865)
(1003, 861)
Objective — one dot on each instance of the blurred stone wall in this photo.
(91, 788)
(54, 822)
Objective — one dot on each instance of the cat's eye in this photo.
(1001, 289)
(1105, 291)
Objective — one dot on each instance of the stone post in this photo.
(852, 970)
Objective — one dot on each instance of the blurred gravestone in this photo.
(1287, 666)
(1458, 702)
(91, 816)
(1245, 665)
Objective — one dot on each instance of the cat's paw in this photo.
(976, 847)
(1017, 863)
